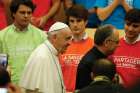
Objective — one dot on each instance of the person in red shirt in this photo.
(44, 11)
(81, 44)
(126, 57)
(4, 13)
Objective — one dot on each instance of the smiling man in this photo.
(127, 57)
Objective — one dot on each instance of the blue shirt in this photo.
(117, 16)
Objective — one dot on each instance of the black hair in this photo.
(16, 3)
(104, 67)
(77, 11)
(133, 16)
(102, 33)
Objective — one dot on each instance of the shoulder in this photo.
(88, 59)
(41, 50)
(6, 30)
(32, 27)
(90, 55)
(37, 31)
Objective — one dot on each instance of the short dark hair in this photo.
(4, 77)
(102, 33)
(104, 67)
(16, 3)
(133, 16)
(77, 11)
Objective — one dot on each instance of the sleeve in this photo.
(37, 74)
(31, 71)
(101, 3)
(1, 46)
(43, 35)
(83, 75)
(136, 4)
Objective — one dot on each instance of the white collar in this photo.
(85, 36)
(137, 40)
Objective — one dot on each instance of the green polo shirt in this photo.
(18, 45)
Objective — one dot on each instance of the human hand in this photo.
(13, 88)
(43, 21)
(35, 21)
(39, 22)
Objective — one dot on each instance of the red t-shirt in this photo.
(3, 21)
(127, 60)
(70, 60)
(42, 8)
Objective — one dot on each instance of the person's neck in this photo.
(20, 27)
(131, 40)
(78, 37)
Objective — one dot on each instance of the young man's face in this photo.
(132, 30)
(23, 16)
(77, 25)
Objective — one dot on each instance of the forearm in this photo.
(6, 1)
(53, 10)
(68, 4)
(7, 10)
(104, 13)
(126, 6)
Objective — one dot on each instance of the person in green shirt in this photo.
(19, 39)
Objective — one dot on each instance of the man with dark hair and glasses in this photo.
(105, 43)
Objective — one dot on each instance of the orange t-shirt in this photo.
(70, 60)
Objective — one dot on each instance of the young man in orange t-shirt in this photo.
(81, 43)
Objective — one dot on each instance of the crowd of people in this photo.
(48, 56)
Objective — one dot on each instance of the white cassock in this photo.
(43, 71)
